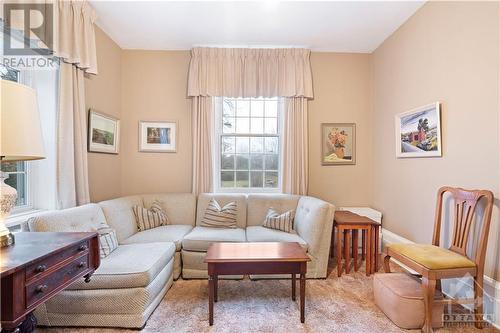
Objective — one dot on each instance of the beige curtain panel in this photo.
(295, 147)
(250, 72)
(74, 40)
(71, 166)
(202, 109)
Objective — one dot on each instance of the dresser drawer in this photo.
(43, 287)
(43, 265)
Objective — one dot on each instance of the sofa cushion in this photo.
(119, 215)
(166, 233)
(200, 238)
(258, 205)
(150, 218)
(223, 199)
(276, 221)
(84, 218)
(263, 234)
(130, 266)
(107, 241)
(180, 207)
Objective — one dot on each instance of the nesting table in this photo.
(348, 224)
(256, 258)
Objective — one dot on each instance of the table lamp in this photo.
(20, 140)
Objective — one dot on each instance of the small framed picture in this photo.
(418, 132)
(158, 136)
(338, 143)
(103, 133)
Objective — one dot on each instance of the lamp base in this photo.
(7, 240)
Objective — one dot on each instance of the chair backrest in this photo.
(464, 208)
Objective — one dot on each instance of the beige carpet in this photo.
(332, 305)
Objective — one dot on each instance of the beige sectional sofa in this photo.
(133, 279)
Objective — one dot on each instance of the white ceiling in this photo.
(348, 26)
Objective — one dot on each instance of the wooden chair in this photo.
(434, 263)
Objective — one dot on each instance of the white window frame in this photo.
(216, 155)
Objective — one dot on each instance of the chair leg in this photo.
(429, 290)
(387, 267)
(478, 305)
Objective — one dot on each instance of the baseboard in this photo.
(458, 287)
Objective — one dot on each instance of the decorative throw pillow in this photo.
(283, 222)
(150, 218)
(217, 217)
(107, 241)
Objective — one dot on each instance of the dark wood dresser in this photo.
(37, 267)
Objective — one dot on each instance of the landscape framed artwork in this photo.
(103, 133)
(338, 143)
(158, 136)
(418, 132)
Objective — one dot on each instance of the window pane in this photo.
(271, 108)
(228, 144)
(228, 124)
(257, 108)
(242, 145)
(12, 166)
(242, 108)
(228, 107)
(257, 125)
(271, 179)
(241, 178)
(271, 126)
(256, 162)
(256, 179)
(227, 162)
(256, 145)
(271, 145)
(242, 162)
(242, 125)
(271, 162)
(227, 179)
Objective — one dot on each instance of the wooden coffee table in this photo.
(256, 258)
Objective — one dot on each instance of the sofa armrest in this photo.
(314, 222)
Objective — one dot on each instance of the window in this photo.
(17, 172)
(248, 145)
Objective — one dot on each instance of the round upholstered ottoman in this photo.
(399, 296)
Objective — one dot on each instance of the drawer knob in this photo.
(81, 264)
(82, 247)
(41, 268)
(41, 288)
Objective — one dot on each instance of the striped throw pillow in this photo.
(217, 217)
(150, 218)
(283, 222)
(107, 241)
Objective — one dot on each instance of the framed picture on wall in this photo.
(103, 133)
(338, 143)
(158, 136)
(418, 132)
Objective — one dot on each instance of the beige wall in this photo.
(342, 89)
(103, 93)
(154, 88)
(447, 52)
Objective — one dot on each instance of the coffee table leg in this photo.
(355, 249)
(339, 252)
(216, 288)
(211, 287)
(347, 241)
(293, 286)
(302, 297)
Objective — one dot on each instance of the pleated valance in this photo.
(75, 36)
(242, 72)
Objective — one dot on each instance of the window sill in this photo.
(21, 217)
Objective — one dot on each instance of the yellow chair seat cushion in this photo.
(432, 257)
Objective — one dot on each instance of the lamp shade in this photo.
(21, 134)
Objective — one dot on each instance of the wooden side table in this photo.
(37, 267)
(345, 223)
